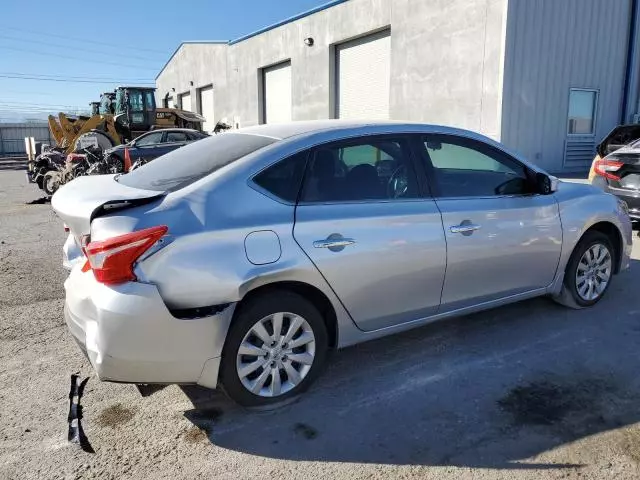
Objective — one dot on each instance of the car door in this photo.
(371, 231)
(503, 238)
(146, 147)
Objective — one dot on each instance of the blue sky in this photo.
(115, 41)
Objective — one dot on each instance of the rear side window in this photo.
(196, 160)
(176, 137)
(284, 178)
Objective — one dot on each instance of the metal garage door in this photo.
(170, 103)
(363, 69)
(206, 108)
(185, 98)
(277, 93)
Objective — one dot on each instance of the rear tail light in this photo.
(607, 169)
(112, 260)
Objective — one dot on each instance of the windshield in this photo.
(136, 103)
(185, 165)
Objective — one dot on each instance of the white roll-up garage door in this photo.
(363, 72)
(185, 98)
(277, 93)
(206, 108)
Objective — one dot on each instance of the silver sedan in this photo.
(242, 259)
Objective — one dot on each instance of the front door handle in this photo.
(464, 228)
(334, 243)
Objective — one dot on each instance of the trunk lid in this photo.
(617, 138)
(83, 199)
(629, 173)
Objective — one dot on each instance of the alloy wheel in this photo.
(594, 272)
(276, 354)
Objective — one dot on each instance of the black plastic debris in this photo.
(76, 433)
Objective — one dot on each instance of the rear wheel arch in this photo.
(305, 290)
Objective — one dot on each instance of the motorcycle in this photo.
(75, 165)
(49, 160)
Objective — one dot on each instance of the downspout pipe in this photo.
(631, 80)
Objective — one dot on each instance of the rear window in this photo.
(188, 164)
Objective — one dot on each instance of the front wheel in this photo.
(51, 182)
(275, 348)
(589, 271)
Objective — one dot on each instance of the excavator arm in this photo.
(56, 130)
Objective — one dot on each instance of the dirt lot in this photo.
(527, 391)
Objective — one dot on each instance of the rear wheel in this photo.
(589, 272)
(275, 348)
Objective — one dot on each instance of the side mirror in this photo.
(546, 184)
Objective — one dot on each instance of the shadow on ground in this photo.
(481, 391)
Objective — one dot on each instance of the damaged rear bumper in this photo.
(130, 336)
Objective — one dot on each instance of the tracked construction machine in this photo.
(121, 116)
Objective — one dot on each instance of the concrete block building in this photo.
(548, 78)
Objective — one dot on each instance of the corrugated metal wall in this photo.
(551, 47)
(12, 136)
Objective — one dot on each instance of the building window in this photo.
(582, 111)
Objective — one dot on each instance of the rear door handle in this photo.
(463, 228)
(331, 243)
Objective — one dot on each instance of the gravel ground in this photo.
(526, 391)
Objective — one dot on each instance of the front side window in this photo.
(149, 101)
(121, 103)
(467, 168)
(582, 112)
(176, 137)
(376, 169)
(150, 139)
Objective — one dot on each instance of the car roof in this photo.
(282, 131)
(190, 130)
(288, 132)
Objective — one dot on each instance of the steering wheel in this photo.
(398, 183)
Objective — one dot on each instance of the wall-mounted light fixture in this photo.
(309, 41)
(173, 89)
(191, 83)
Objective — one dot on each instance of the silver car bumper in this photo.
(71, 253)
(130, 336)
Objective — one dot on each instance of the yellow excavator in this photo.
(119, 117)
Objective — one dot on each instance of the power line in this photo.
(36, 104)
(79, 48)
(66, 77)
(66, 80)
(42, 110)
(84, 40)
(70, 57)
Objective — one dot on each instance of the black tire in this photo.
(569, 295)
(116, 164)
(49, 183)
(244, 319)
